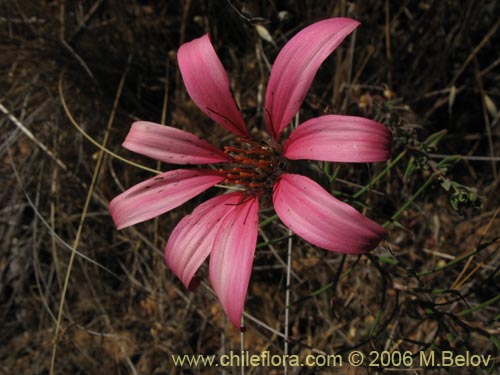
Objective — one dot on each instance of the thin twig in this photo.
(242, 341)
(466, 157)
(475, 51)
(287, 297)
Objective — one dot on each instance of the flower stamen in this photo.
(252, 164)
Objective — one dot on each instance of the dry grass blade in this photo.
(88, 137)
(30, 135)
(95, 175)
(78, 296)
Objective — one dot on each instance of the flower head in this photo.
(225, 227)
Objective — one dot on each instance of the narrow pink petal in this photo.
(171, 145)
(295, 67)
(160, 194)
(208, 85)
(232, 257)
(319, 218)
(192, 239)
(339, 139)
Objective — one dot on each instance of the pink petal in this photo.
(160, 194)
(295, 67)
(171, 145)
(232, 257)
(319, 218)
(208, 85)
(193, 238)
(339, 139)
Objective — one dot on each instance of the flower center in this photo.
(253, 165)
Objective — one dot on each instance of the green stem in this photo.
(457, 260)
(267, 221)
(479, 307)
(410, 201)
(380, 175)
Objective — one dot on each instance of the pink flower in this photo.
(225, 227)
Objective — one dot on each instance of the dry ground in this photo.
(428, 69)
